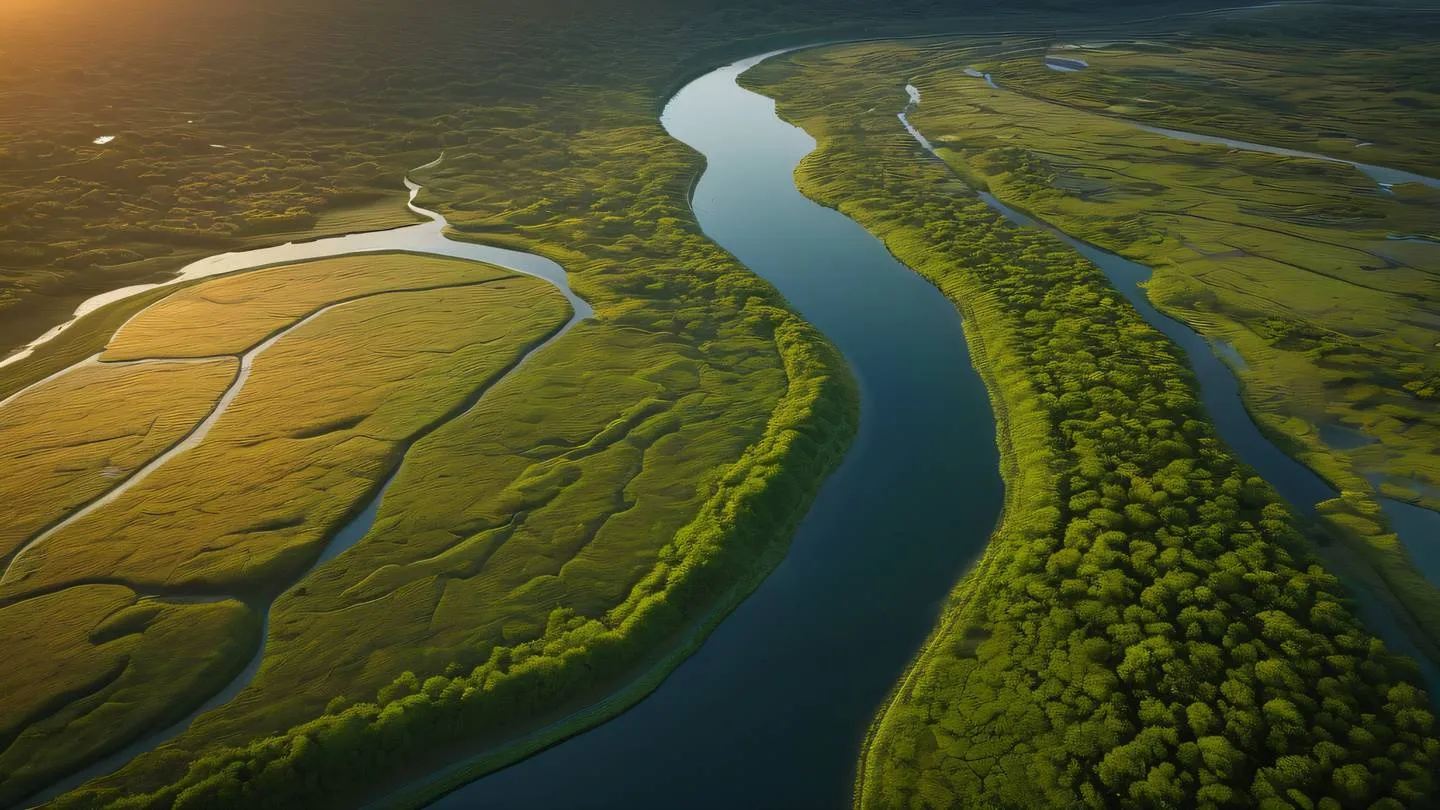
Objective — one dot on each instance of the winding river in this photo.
(775, 704)
(426, 238)
(811, 654)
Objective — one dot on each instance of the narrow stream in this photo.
(1220, 394)
(425, 238)
(772, 710)
(1385, 177)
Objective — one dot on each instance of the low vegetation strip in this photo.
(573, 537)
(1149, 630)
(73, 438)
(233, 313)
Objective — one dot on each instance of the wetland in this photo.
(704, 435)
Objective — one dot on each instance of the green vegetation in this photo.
(1278, 257)
(1287, 260)
(703, 416)
(1147, 628)
(94, 666)
(1344, 81)
(71, 439)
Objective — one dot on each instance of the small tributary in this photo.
(1221, 396)
(427, 238)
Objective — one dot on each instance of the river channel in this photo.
(772, 710)
(1221, 395)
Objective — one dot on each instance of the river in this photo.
(775, 704)
(772, 709)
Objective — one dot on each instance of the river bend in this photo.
(772, 709)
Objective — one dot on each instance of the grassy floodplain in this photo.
(693, 420)
(316, 424)
(1287, 260)
(547, 113)
(545, 547)
(143, 585)
(233, 313)
(67, 441)
(1147, 627)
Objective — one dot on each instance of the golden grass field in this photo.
(316, 425)
(69, 440)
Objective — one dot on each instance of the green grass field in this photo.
(96, 665)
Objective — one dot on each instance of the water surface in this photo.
(772, 710)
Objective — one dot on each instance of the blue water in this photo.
(772, 710)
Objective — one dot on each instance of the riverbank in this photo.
(678, 376)
(782, 672)
(1047, 643)
(1299, 296)
(1030, 477)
